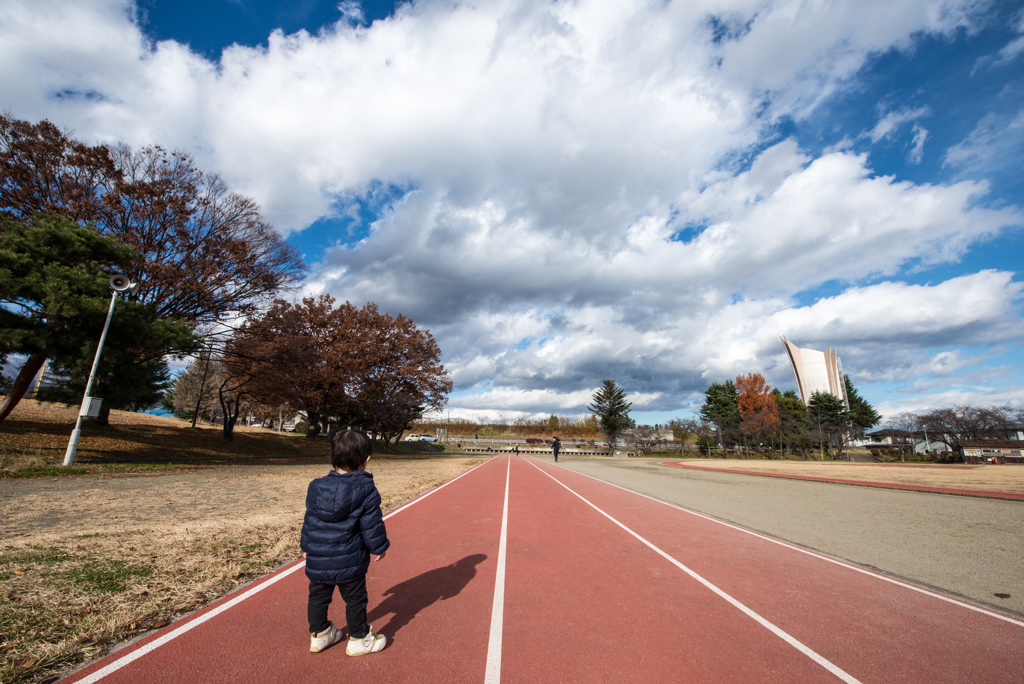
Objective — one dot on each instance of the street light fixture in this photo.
(91, 406)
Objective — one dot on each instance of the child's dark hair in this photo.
(349, 449)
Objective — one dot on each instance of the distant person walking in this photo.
(555, 446)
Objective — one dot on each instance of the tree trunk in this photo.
(21, 384)
(103, 418)
(313, 419)
(202, 386)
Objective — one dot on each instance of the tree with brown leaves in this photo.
(202, 250)
(339, 366)
(757, 406)
(401, 376)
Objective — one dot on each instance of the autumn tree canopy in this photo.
(400, 374)
(340, 366)
(203, 250)
(757, 405)
(199, 250)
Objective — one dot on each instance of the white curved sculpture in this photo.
(816, 371)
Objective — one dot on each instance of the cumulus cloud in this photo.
(878, 329)
(570, 197)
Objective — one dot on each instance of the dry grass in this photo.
(69, 595)
(34, 437)
(1002, 478)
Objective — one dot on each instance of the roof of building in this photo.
(992, 444)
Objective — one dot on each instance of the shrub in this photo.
(302, 428)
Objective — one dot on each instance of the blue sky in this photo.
(565, 192)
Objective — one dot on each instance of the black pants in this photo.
(354, 595)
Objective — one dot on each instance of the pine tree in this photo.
(828, 414)
(610, 406)
(720, 407)
(862, 413)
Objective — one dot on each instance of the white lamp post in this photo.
(90, 406)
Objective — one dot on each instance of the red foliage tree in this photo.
(339, 365)
(757, 406)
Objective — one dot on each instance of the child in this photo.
(342, 530)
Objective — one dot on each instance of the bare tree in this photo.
(960, 423)
(194, 390)
(643, 439)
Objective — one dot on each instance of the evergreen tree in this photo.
(612, 409)
(862, 414)
(721, 408)
(793, 420)
(54, 287)
(828, 414)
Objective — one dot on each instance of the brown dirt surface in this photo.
(989, 478)
(93, 560)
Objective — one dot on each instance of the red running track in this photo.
(591, 583)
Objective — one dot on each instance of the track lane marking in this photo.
(792, 641)
(182, 629)
(157, 643)
(493, 672)
(814, 554)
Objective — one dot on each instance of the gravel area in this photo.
(961, 546)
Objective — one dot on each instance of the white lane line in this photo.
(173, 634)
(792, 641)
(813, 554)
(493, 672)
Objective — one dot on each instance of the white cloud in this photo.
(1010, 51)
(917, 153)
(551, 152)
(567, 103)
(888, 124)
(992, 143)
(879, 330)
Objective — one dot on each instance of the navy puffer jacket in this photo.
(343, 526)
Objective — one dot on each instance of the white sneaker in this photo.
(321, 641)
(371, 643)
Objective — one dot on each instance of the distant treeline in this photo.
(563, 426)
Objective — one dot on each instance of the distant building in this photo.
(816, 371)
(985, 450)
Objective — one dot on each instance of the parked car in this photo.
(428, 438)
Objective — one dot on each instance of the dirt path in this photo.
(92, 505)
(1004, 478)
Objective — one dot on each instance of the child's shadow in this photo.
(403, 601)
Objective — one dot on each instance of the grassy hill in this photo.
(34, 438)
